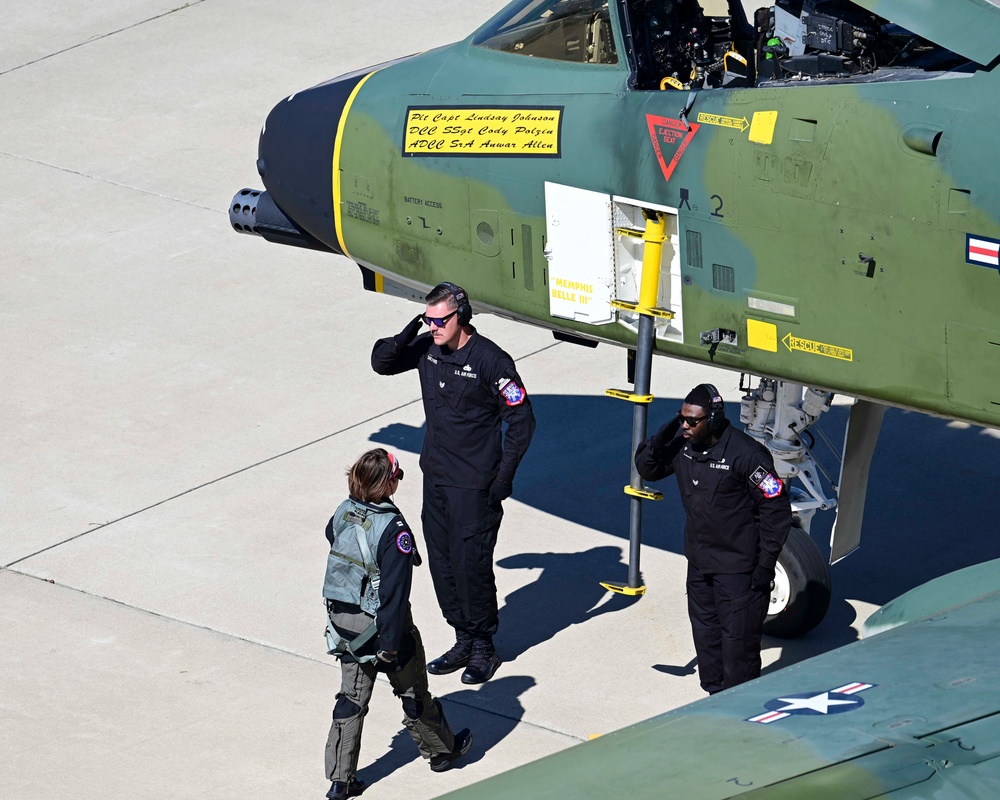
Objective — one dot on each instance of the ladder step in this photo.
(624, 305)
(625, 394)
(622, 589)
(645, 494)
(630, 232)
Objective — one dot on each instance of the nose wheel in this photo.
(802, 587)
(780, 593)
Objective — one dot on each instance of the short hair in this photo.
(369, 477)
(442, 292)
(700, 395)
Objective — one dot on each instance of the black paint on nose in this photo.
(295, 155)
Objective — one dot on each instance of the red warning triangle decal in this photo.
(670, 139)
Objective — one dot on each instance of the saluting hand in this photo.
(668, 431)
(409, 333)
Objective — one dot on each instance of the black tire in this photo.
(801, 596)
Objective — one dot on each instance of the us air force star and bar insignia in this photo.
(404, 542)
(512, 393)
(812, 704)
(766, 482)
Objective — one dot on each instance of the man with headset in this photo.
(738, 517)
(469, 387)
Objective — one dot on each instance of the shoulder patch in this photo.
(770, 485)
(512, 393)
(404, 542)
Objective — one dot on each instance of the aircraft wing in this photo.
(913, 712)
(970, 28)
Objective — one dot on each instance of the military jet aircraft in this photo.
(806, 194)
(911, 712)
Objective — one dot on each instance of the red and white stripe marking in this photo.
(983, 251)
(770, 716)
(853, 688)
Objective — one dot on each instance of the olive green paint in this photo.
(845, 212)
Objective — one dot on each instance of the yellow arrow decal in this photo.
(793, 343)
(724, 122)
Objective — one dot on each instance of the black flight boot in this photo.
(463, 741)
(454, 659)
(482, 663)
(341, 790)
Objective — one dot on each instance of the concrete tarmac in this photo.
(181, 402)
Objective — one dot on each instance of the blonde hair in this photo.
(369, 479)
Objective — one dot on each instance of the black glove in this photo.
(409, 333)
(663, 436)
(762, 579)
(500, 490)
(386, 661)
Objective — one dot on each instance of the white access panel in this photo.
(629, 225)
(580, 252)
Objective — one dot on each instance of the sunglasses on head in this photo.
(395, 471)
(439, 322)
(693, 422)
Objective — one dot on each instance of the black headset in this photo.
(464, 309)
(717, 411)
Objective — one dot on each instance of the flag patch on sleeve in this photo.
(766, 482)
(512, 393)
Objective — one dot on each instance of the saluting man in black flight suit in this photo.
(738, 517)
(469, 386)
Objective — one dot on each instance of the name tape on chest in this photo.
(512, 393)
(770, 485)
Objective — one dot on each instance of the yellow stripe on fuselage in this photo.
(337, 216)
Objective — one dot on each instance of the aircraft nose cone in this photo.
(295, 155)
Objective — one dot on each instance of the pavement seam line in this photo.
(232, 474)
(209, 483)
(101, 36)
(275, 648)
(109, 182)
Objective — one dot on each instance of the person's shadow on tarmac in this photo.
(464, 709)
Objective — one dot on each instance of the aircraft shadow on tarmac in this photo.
(928, 510)
(492, 711)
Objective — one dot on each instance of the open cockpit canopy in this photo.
(682, 44)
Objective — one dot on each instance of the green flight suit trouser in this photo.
(422, 714)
